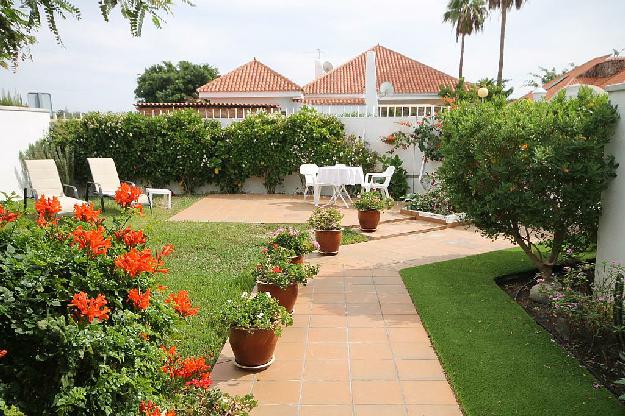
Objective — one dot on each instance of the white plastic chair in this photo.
(106, 180)
(372, 181)
(309, 171)
(44, 180)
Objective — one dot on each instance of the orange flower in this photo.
(136, 262)
(524, 146)
(3, 353)
(141, 301)
(92, 239)
(86, 213)
(7, 216)
(167, 250)
(47, 209)
(182, 304)
(131, 238)
(161, 288)
(91, 308)
(127, 195)
(150, 409)
(193, 370)
(277, 269)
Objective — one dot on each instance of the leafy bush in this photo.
(276, 268)
(325, 219)
(398, 187)
(531, 172)
(435, 201)
(373, 201)
(300, 242)
(256, 311)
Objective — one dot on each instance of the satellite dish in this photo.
(327, 66)
(386, 88)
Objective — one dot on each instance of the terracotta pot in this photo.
(252, 347)
(329, 241)
(369, 220)
(297, 259)
(285, 297)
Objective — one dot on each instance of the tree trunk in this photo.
(461, 57)
(502, 37)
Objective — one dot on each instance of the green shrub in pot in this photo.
(325, 219)
(373, 201)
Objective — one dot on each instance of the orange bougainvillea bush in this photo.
(84, 319)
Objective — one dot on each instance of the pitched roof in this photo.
(601, 72)
(407, 75)
(331, 101)
(254, 76)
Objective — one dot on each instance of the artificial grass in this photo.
(497, 358)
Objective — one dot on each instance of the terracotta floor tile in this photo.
(300, 321)
(328, 321)
(413, 350)
(367, 335)
(326, 351)
(416, 334)
(387, 280)
(373, 369)
(361, 298)
(359, 288)
(398, 309)
(358, 272)
(305, 290)
(402, 321)
(335, 309)
(326, 392)
(327, 410)
(326, 370)
(363, 309)
(379, 410)
(433, 410)
(294, 335)
(277, 392)
(275, 410)
(358, 280)
(397, 288)
(394, 298)
(364, 351)
(234, 387)
(420, 370)
(427, 392)
(282, 370)
(327, 335)
(329, 298)
(365, 321)
(290, 351)
(386, 272)
(302, 308)
(377, 392)
(224, 371)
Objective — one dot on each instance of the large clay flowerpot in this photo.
(286, 297)
(253, 348)
(297, 259)
(369, 220)
(329, 241)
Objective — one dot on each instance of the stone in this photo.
(539, 293)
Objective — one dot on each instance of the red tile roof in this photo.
(208, 104)
(332, 101)
(407, 75)
(601, 72)
(254, 76)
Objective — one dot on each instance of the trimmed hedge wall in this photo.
(183, 147)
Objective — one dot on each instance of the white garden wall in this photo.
(611, 234)
(19, 127)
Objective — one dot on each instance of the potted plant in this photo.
(369, 204)
(328, 232)
(255, 322)
(290, 238)
(279, 277)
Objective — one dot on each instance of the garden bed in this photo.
(599, 356)
(451, 220)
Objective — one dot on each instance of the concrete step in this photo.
(396, 228)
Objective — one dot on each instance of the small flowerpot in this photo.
(329, 241)
(297, 259)
(286, 297)
(253, 348)
(369, 220)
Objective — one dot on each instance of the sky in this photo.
(97, 66)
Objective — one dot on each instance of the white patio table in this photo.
(338, 176)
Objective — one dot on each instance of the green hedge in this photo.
(183, 147)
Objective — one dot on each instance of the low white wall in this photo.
(611, 234)
(19, 127)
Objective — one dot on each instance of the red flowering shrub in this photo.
(181, 303)
(130, 237)
(91, 309)
(86, 213)
(92, 240)
(127, 195)
(140, 300)
(7, 216)
(135, 262)
(47, 208)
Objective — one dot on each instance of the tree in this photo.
(531, 172)
(18, 23)
(468, 92)
(169, 83)
(504, 5)
(468, 17)
(545, 75)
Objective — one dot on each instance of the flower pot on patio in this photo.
(253, 348)
(369, 220)
(297, 259)
(286, 297)
(329, 241)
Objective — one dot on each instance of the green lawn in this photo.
(499, 361)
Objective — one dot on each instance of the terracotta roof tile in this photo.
(332, 101)
(254, 76)
(407, 75)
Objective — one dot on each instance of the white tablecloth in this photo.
(340, 175)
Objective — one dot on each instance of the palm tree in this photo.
(504, 5)
(467, 16)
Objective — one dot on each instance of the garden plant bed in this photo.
(451, 220)
(600, 356)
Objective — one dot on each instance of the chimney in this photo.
(371, 94)
(318, 69)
